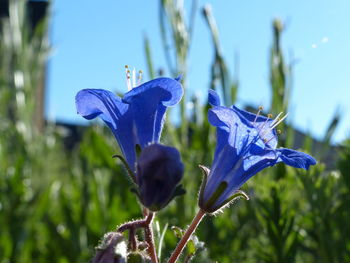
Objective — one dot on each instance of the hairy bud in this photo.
(159, 170)
(112, 249)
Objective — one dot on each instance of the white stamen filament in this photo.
(127, 73)
(282, 119)
(131, 80)
(269, 116)
(276, 119)
(139, 79)
(134, 78)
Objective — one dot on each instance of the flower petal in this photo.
(263, 124)
(165, 90)
(148, 103)
(244, 170)
(295, 158)
(233, 129)
(92, 103)
(222, 165)
(213, 98)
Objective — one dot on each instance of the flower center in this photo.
(262, 131)
(131, 80)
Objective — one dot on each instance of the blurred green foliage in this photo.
(56, 203)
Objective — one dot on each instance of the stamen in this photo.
(131, 80)
(258, 114)
(269, 116)
(139, 78)
(279, 121)
(127, 73)
(134, 78)
(276, 119)
(267, 141)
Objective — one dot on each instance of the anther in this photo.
(258, 114)
(139, 79)
(269, 116)
(279, 132)
(128, 81)
(131, 80)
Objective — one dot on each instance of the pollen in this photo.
(131, 80)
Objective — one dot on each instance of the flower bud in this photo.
(159, 169)
(112, 249)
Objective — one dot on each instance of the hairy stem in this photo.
(181, 245)
(150, 239)
(146, 224)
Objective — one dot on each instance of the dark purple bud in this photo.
(112, 249)
(159, 170)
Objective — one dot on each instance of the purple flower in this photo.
(137, 119)
(246, 144)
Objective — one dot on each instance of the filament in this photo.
(127, 73)
(276, 119)
(258, 114)
(269, 116)
(134, 78)
(139, 79)
(279, 121)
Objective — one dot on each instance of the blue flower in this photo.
(246, 144)
(137, 119)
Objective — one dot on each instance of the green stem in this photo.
(181, 245)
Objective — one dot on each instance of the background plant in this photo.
(57, 199)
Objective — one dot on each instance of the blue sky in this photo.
(92, 43)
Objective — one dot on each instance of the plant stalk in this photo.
(150, 238)
(181, 245)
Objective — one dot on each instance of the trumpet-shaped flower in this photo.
(246, 144)
(137, 118)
